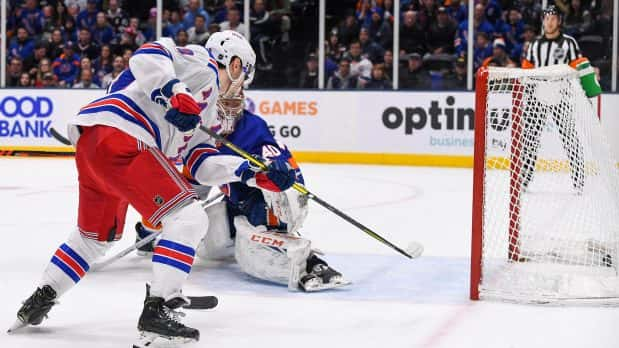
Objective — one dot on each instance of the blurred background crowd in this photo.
(87, 43)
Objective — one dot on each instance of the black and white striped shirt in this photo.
(544, 52)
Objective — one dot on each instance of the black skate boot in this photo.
(320, 276)
(35, 308)
(140, 233)
(160, 320)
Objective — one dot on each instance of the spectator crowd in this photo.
(87, 43)
(433, 39)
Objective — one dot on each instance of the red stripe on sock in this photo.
(70, 262)
(174, 255)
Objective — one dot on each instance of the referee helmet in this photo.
(552, 10)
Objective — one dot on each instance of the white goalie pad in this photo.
(216, 243)
(272, 256)
(289, 206)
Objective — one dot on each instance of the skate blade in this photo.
(147, 339)
(16, 326)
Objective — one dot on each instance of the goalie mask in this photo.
(235, 56)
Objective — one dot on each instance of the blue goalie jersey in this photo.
(251, 134)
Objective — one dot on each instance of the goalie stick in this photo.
(300, 188)
(99, 266)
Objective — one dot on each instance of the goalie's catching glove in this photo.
(184, 111)
(278, 177)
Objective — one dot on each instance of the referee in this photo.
(552, 48)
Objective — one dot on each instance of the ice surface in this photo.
(392, 303)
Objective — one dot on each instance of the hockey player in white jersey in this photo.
(258, 222)
(124, 145)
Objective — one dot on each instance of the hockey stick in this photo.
(59, 137)
(300, 188)
(141, 243)
(99, 266)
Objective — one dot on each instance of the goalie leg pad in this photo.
(272, 256)
(217, 243)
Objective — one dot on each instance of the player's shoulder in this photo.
(197, 53)
(568, 37)
(198, 50)
(254, 121)
(189, 50)
(253, 126)
(164, 42)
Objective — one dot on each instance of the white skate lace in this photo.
(173, 315)
(318, 269)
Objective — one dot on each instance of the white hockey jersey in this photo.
(135, 105)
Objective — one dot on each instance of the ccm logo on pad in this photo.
(267, 241)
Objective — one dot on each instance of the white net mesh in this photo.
(551, 191)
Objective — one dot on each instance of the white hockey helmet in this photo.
(224, 46)
(227, 44)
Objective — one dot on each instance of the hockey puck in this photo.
(414, 249)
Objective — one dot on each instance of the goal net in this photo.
(546, 191)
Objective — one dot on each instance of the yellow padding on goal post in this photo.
(543, 165)
(38, 148)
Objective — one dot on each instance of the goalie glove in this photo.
(290, 207)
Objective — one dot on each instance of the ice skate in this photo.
(321, 277)
(160, 320)
(35, 308)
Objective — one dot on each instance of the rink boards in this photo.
(370, 127)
